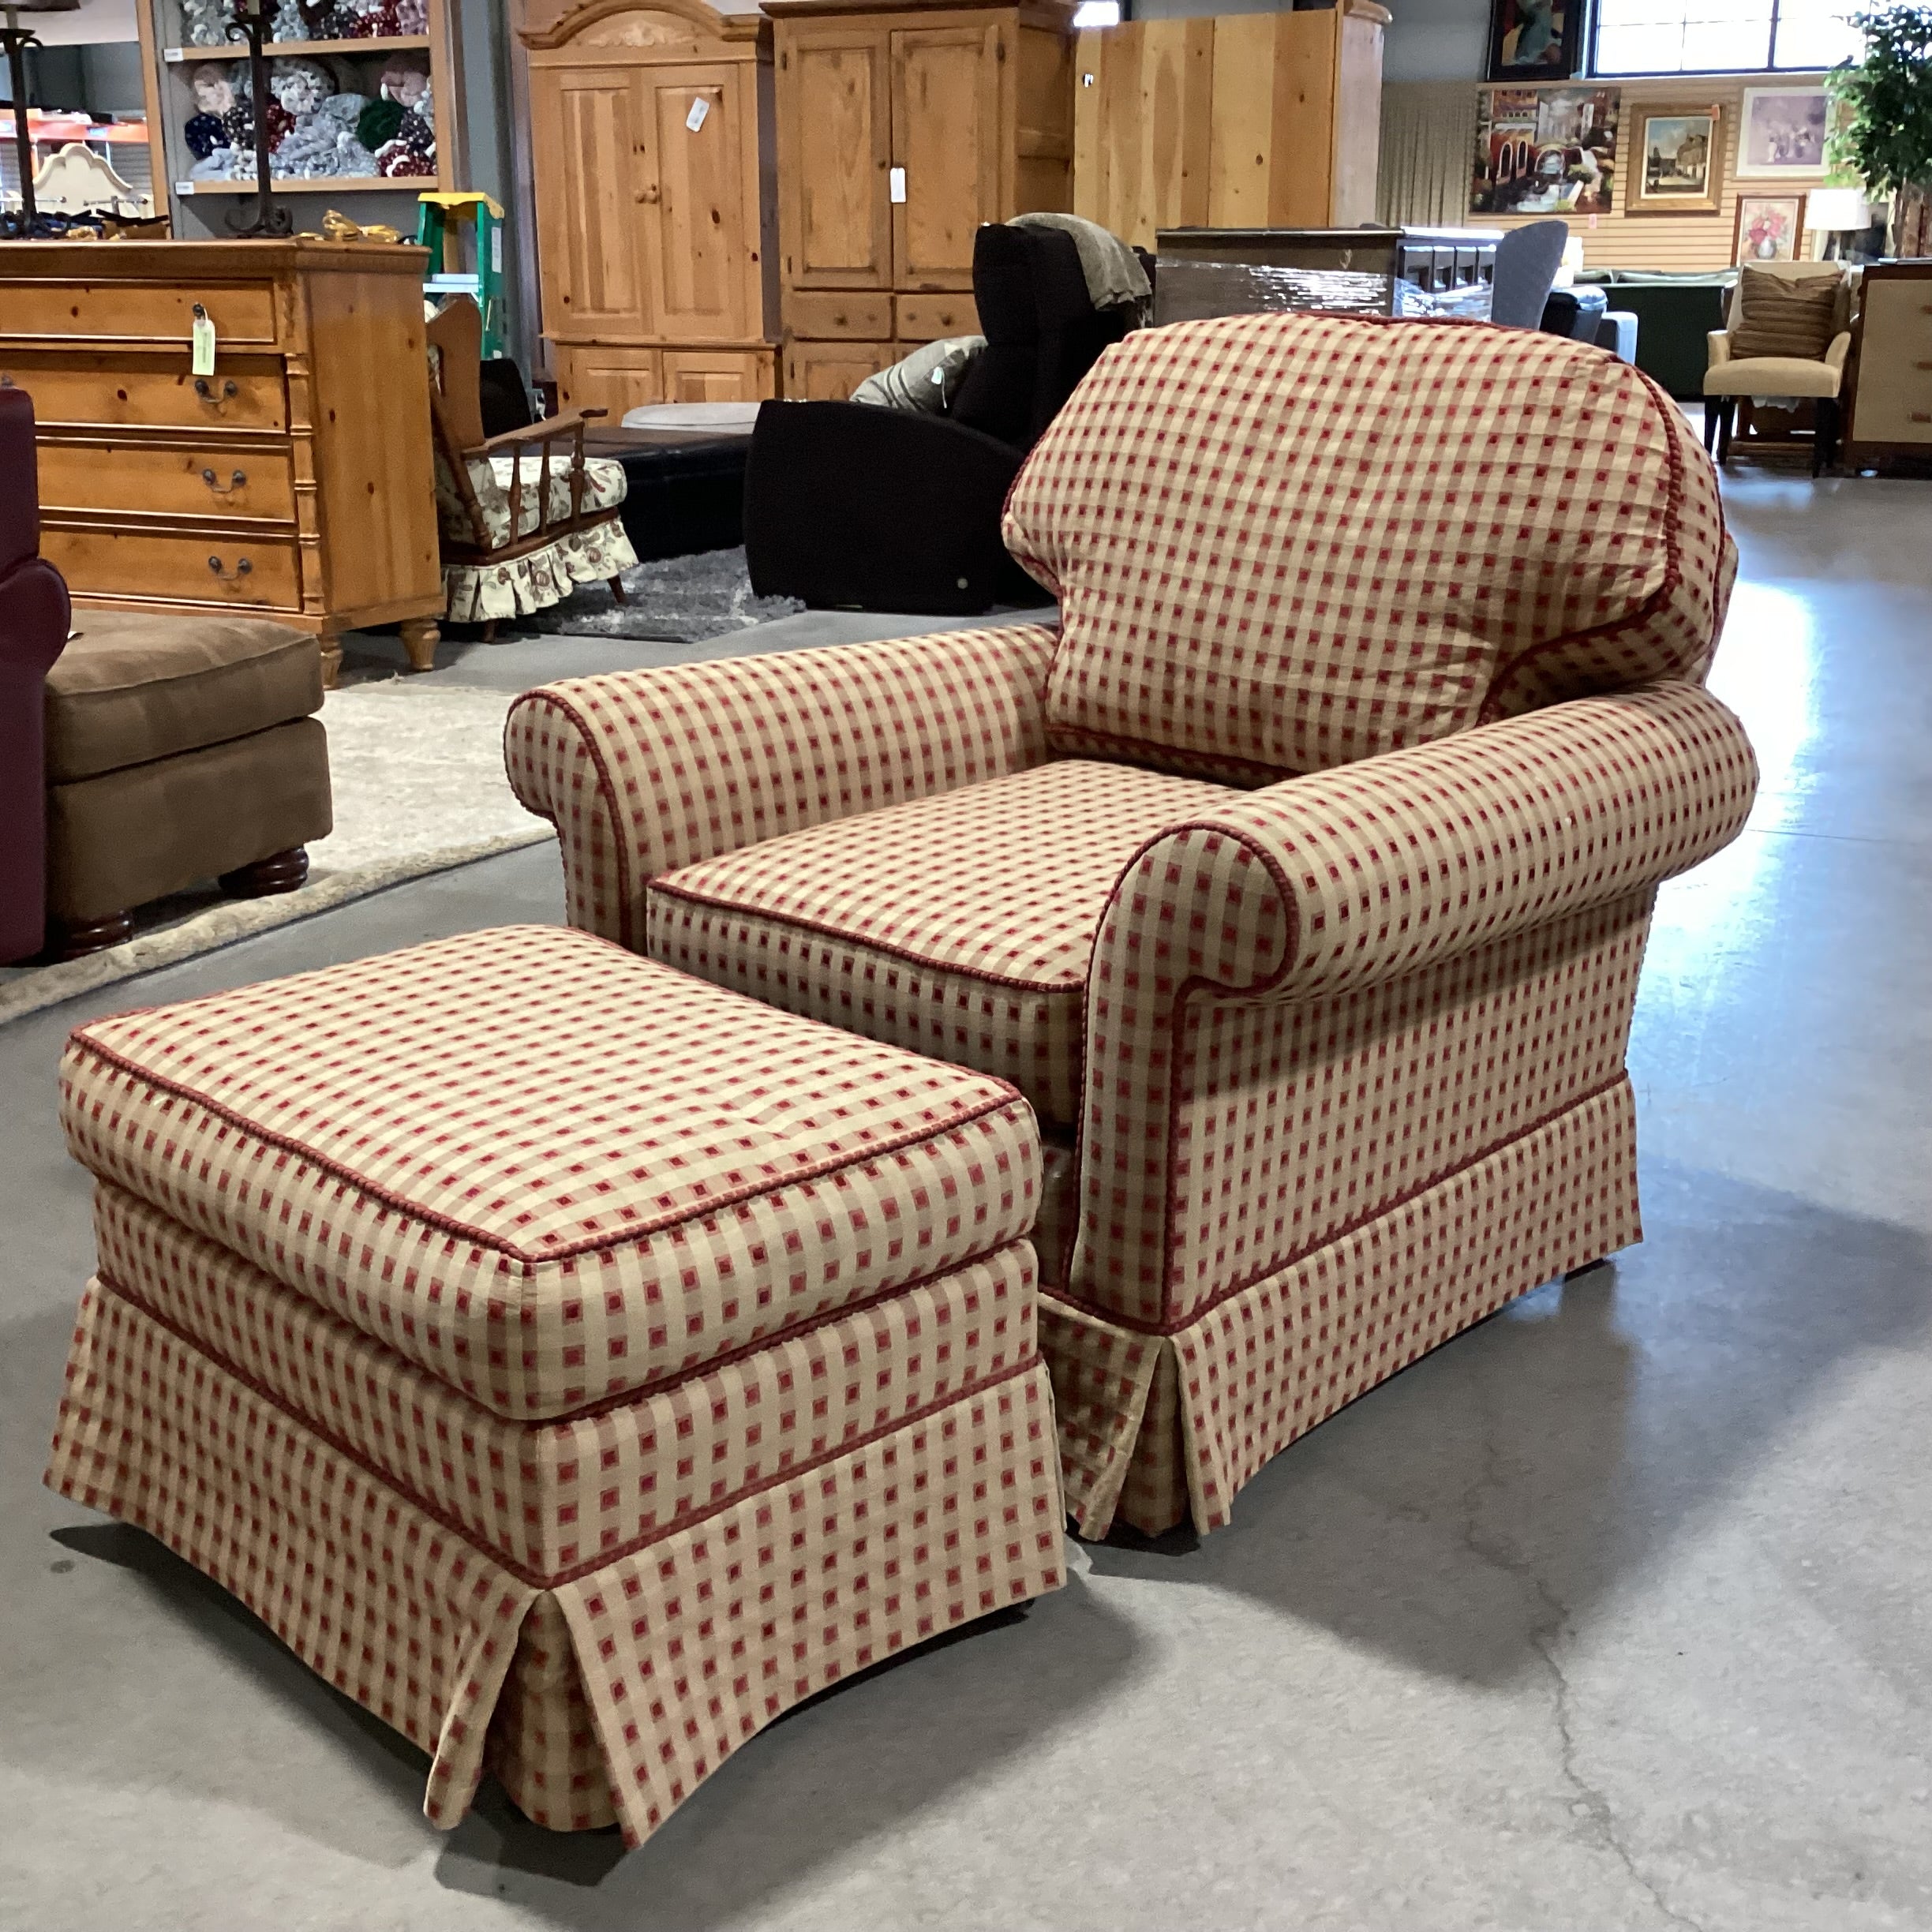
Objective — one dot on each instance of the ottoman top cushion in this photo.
(549, 1172)
(130, 688)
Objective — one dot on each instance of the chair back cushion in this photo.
(1784, 315)
(1282, 543)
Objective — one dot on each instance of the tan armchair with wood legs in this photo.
(1800, 377)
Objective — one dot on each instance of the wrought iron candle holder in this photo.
(252, 22)
(17, 40)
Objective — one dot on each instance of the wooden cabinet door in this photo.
(834, 121)
(945, 107)
(700, 213)
(829, 371)
(590, 146)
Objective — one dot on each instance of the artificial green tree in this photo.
(1886, 139)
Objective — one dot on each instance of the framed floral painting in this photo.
(1781, 133)
(1767, 228)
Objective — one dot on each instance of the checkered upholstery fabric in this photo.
(959, 925)
(546, 1171)
(1155, 1428)
(646, 771)
(551, 1500)
(1330, 991)
(678, 1651)
(367, 1238)
(1285, 543)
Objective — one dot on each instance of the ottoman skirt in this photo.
(576, 1364)
(599, 1609)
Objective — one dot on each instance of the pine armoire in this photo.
(902, 126)
(652, 158)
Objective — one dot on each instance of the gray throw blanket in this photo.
(1115, 279)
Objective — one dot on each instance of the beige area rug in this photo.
(418, 774)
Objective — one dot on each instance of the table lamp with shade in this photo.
(17, 40)
(1834, 213)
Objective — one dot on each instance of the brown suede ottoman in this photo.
(178, 750)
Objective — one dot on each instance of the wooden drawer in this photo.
(717, 376)
(829, 372)
(165, 479)
(926, 318)
(1893, 403)
(612, 379)
(140, 311)
(856, 317)
(245, 573)
(84, 390)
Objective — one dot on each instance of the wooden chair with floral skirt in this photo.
(525, 517)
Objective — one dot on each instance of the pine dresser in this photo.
(291, 476)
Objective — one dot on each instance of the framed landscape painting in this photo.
(1678, 166)
(1781, 132)
(1768, 227)
(1536, 39)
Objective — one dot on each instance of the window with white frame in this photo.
(1722, 36)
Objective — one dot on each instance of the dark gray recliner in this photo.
(849, 506)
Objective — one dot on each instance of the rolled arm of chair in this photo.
(644, 771)
(1841, 348)
(1720, 341)
(1345, 878)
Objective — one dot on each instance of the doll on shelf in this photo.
(406, 149)
(220, 133)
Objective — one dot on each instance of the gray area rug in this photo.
(418, 774)
(682, 600)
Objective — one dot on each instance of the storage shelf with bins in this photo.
(201, 208)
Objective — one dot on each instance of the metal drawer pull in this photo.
(241, 569)
(206, 393)
(233, 483)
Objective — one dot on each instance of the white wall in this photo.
(94, 19)
(1436, 40)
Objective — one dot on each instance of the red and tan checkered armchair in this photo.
(1300, 879)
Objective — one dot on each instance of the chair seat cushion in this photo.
(491, 478)
(548, 1172)
(961, 925)
(130, 688)
(1773, 376)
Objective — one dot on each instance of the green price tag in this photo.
(203, 342)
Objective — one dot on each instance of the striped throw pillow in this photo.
(1781, 315)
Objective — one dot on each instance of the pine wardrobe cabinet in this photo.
(652, 157)
(901, 127)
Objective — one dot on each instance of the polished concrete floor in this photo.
(1616, 1612)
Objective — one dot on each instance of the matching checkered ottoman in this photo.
(578, 1365)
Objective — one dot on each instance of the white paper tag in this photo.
(695, 119)
(496, 251)
(203, 346)
(895, 186)
(173, 54)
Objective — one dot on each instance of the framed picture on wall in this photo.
(1781, 132)
(1768, 227)
(1677, 163)
(1536, 39)
(1545, 150)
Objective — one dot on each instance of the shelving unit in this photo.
(199, 208)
